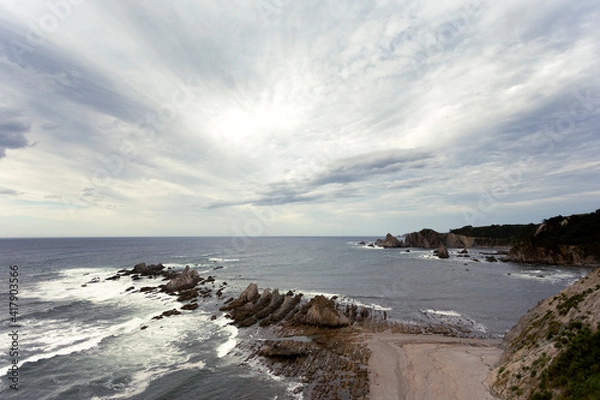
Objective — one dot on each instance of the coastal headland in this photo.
(338, 350)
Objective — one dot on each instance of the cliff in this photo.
(553, 352)
(561, 240)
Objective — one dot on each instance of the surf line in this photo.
(13, 311)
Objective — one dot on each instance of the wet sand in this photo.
(423, 367)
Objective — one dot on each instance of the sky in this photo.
(279, 117)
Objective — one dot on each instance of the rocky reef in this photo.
(317, 339)
(554, 350)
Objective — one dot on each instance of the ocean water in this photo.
(80, 336)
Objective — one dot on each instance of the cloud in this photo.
(329, 112)
(12, 136)
(4, 191)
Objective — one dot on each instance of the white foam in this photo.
(224, 348)
(449, 313)
(454, 317)
(347, 300)
(220, 260)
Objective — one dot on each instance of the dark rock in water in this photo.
(371, 245)
(476, 260)
(147, 289)
(463, 251)
(491, 259)
(146, 270)
(218, 267)
(130, 288)
(114, 278)
(187, 280)
(442, 252)
(188, 295)
(408, 251)
(362, 243)
(168, 313)
(143, 327)
(190, 306)
(213, 317)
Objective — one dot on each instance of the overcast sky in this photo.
(280, 117)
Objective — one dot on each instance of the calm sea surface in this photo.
(86, 342)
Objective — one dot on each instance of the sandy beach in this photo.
(423, 367)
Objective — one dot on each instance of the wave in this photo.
(224, 348)
(222, 260)
(453, 317)
(341, 299)
(553, 276)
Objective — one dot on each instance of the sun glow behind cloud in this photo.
(156, 118)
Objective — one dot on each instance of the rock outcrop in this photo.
(430, 239)
(317, 343)
(152, 269)
(389, 242)
(554, 349)
(321, 311)
(187, 280)
(270, 308)
(442, 252)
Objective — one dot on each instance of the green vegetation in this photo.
(510, 232)
(577, 230)
(565, 306)
(575, 373)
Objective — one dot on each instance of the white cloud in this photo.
(189, 118)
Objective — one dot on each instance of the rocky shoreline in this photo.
(317, 341)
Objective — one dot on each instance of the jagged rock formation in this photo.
(389, 242)
(330, 359)
(271, 307)
(561, 240)
(554, 350)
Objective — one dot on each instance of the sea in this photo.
(68, 333)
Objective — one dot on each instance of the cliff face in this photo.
(562, 240)
(554, 349)
(429, 239)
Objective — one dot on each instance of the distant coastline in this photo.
(572, 240)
